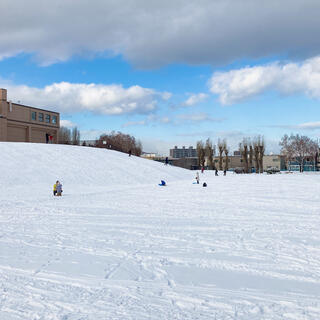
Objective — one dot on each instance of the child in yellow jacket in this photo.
(55, 189)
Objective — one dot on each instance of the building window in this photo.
(54, 119)
(33, 116)
(47, 118)
(40, 117)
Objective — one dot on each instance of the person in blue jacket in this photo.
(59, 189)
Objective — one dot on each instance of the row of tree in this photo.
(298, 148)
(69, 136)
(120, 142)
(207, 150)
(251, 152)
(115, 141)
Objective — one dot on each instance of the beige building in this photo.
(273, 162)
(269, 161)
(148, 155)
(233, 162)
(19, 123)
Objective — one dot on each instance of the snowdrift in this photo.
(34, 164)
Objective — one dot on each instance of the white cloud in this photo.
(197, 117)
(195, 99)
(161, 147)
(158, 119)
(67, 123)
(98, 98)
(92, 134)
(134, 123)
(153, 33)
(302, 126)
(237, 85)
(165, 120)
(150, 119)
(309, 125)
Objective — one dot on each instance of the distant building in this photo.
(148, 155)
(236, 161)
(186, 163)
(233, 162)
(309, 164)
(274, 162)
(183, 152)
(19, 123)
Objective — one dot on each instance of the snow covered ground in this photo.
(118, 246)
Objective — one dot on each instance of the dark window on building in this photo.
(47, 118)
(54, 119)
(40, 117)
(33, 116)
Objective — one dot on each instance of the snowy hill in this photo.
(42, 164)
(118, 246)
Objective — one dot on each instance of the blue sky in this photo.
(170, 74)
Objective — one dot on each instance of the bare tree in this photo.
(64, 136)
(226, 153)
(201, 153)
(75, 136)
(210, 151)
(256, 156)
(287, 150)
(261, 153)
(299, 148)
(313, 151)
(120, 142)
(221, 149)
(250, 156)
(243, 147)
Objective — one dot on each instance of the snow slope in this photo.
(45, 163)
(118, 246)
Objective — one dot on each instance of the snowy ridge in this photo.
(120, 247)
(45, 163)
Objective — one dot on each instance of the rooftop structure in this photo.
(20, 123)
(183, 152)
